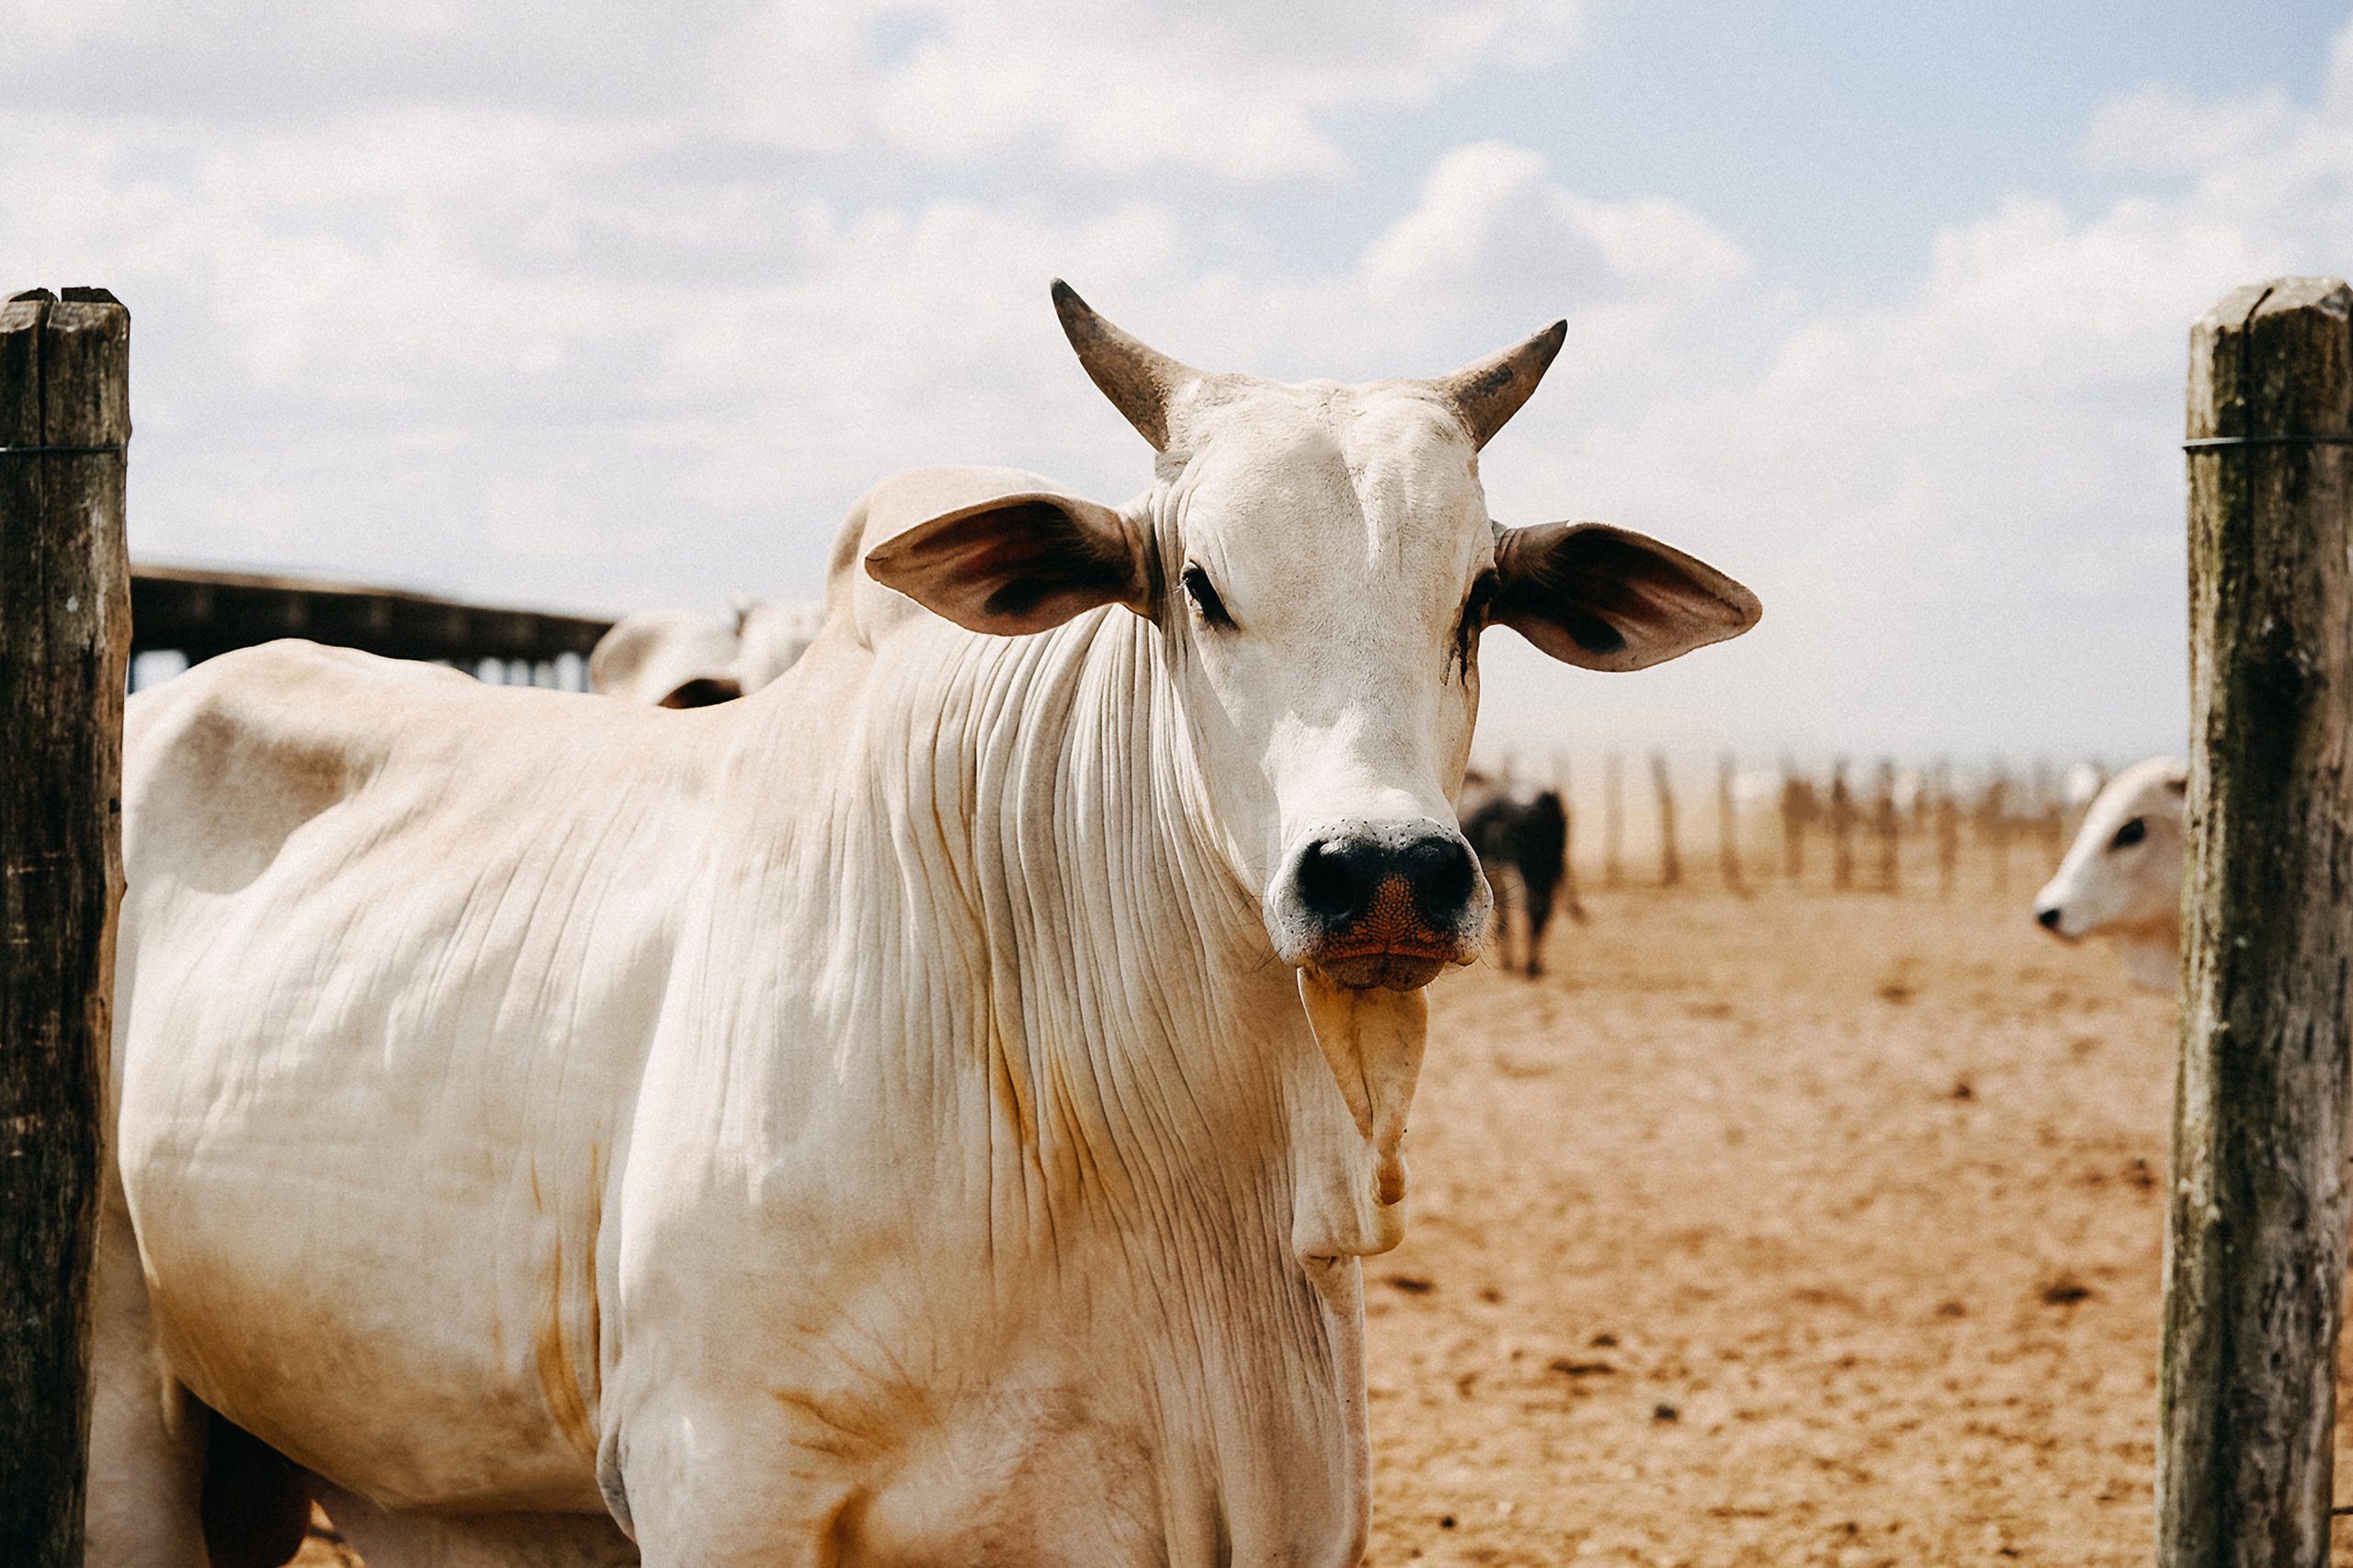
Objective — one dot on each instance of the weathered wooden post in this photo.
(2256, 1227)
(1842, 828)
(1613, 822)
(1887, 828)
(1947, 831)
(1798, 811)
(1994, 824)
(1670, 864)
(64, 649)
(1569, 900)
(1728, 827)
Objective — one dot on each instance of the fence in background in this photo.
(1881, 828)
(184, 614)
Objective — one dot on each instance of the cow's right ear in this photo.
(1612, 599)
(1018, 563)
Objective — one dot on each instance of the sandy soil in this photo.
(1798, 1230)
(1794, 1230)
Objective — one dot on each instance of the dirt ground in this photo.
(1797, 1229)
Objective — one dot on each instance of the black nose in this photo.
(2048, 918)
(1341, 879)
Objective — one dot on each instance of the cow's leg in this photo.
(146, 1435)
(1508, 893)
(386, 1539)
(1540, 915)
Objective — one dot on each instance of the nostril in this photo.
(1329, 884)
(1442, 871)
(2048, 918)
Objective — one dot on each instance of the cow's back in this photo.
(391, 947)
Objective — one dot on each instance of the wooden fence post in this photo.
(1842, 828)
(1569, 900)
(64, 652)
(1887, 827)
(2256, 1219)
(1994, 824)
(1670, 864)
(1728, 827)
(1798, 809)
(1613, 822)
(1947, 831)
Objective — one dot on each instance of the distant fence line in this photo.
(1847, 827)
(195, 614)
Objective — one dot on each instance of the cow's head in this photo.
(2121, 877)
(1321, 564)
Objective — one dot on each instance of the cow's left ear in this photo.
(1018, 563)
(1610, 599)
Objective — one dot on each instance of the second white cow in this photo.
(680, 659)
(2121, 878)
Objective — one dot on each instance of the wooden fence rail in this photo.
(64, 636)
(202, 613)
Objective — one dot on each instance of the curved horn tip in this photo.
(1137, 379)
(1488, 393)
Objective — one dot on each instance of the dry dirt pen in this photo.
(1789, 1230)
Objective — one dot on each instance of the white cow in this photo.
(2121, 877)
(928, 1111)
(680, 659)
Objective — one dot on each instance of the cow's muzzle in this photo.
(1380, 903)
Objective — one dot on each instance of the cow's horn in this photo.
(1489, 392)
(1140, 381)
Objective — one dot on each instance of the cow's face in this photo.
(2122, 875)
(1320, 563)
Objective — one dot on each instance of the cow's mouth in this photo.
(1396, 967)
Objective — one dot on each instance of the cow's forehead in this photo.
(1383, 471)
(2145, 789)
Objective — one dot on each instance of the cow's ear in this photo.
(1610, 599)
(1018, 563)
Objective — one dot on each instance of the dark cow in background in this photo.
(1521, 834)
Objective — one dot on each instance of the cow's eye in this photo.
(1204, 596)
(2131, 833)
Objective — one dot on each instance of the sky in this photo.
(1883, 310)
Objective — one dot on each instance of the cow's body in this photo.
(874, 1121)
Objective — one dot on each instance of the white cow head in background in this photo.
(1319, 563)
(681, 659)
(2121, 877)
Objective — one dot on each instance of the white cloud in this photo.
(1236, 90)
(1240, 90)
(1491, 224)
